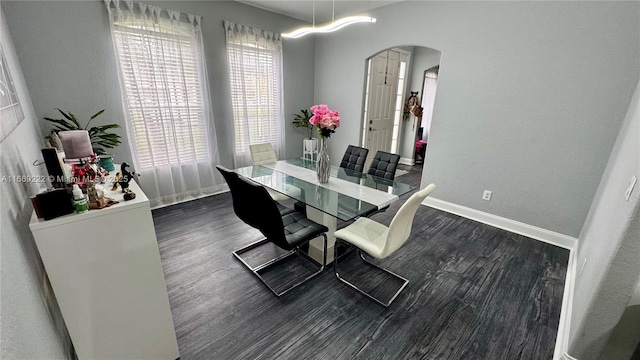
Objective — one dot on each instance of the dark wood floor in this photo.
(475, 292)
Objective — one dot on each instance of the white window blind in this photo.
(163, 94)
(255, 71)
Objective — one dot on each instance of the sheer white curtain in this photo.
(255, 71)
(428, 99)
(165, 100)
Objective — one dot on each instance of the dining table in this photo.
(346, 196)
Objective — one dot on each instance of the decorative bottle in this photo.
(79, 201)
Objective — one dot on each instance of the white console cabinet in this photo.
(104, 267)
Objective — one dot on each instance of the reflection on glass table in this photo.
(347, 195)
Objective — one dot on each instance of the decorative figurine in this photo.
(116, 180)
(97, 198)
(123, 177)
(129, 195)
(126, 176)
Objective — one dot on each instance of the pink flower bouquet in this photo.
(325, 119)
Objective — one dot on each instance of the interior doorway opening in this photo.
(393, 77)
(429, 88)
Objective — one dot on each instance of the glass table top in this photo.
(347, 195)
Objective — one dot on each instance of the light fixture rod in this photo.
(333, 15)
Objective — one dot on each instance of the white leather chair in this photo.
(380, 241)
(264, 154)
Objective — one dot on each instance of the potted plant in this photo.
(309, 144)
(100, 137)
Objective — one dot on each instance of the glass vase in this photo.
(323, 166)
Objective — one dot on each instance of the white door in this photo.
(383, 84)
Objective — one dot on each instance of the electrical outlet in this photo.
(584, 263)
(486, 195)
(632, 183)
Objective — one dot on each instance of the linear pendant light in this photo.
(333, 26)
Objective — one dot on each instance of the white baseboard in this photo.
(566, 356)
(513, 226)
(223, 189)
(407, 161)
(564, 326)
(537, 233)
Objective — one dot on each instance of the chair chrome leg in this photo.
(348, 250)
(255, 245)
(377, 301)
(269, 264)
(320, 270)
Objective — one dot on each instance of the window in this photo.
(399, 107)
(255, 72)
(365, 121)
(163, 95)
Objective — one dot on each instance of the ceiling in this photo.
(303, 10)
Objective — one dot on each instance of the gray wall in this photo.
(66, 52)
(525, 106)
(422, 58)
(531, 98)
(28, 328)
(610, 242)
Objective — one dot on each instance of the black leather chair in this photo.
(284, 227)
(354, 158)
(384, 165)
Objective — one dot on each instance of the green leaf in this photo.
(57, 128)
(103, 128)
(97, 114)
(108, 136)
(75, 119)
(71, 118)
(302, 119)
(64, 114)
(93, 117)
(63, 123)
(107, 145)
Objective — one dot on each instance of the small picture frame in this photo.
(76, 144)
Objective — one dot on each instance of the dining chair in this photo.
(354, 158)
(264, 154)
(384, 165)
(380, 241)
(286, 228)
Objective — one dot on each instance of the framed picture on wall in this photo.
(11, 113)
